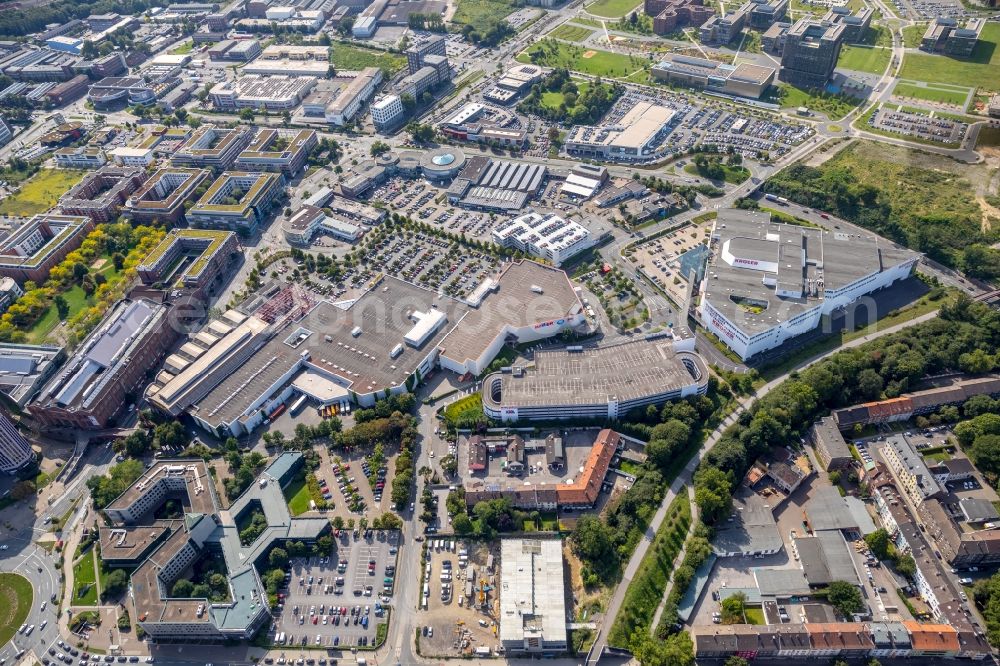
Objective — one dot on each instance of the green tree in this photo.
(593, 543)
(845, 598)
(878, 543)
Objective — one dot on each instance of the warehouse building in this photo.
(632, 138)
(162, 197)
(766, 283)
(262, 93)
(39, 244)
(237, 201)
(483, 183)
(532, 597)
(526, 303)
(277, 151)
(547, 236)
(288, 60)
(596, 382)
(108, 369)
(743, 80)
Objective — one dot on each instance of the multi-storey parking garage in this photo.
(602, 382)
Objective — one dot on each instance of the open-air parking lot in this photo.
(426, 261)
(918, 125)
(339, 600)
(423, 201)
(660, 258)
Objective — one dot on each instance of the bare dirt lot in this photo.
(449, 628)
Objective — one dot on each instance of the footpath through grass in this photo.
(646, 590)
(16, 596)
(40, 192)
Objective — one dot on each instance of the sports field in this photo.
(873, 59)
(40, 192)
(981, 69)
(15, 597)
(552, 53)
(612, 8)
(571, 33)
(945, 95)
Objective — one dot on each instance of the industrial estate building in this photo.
(347, 102)
(291, 60)
(547, 237)
(743, 80)
(263, 93)
(532, 597)
(162, 550)
(41, 243)
(631, 138)
(596, 382)
(766, 282)
(108, 369)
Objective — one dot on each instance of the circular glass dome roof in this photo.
(443, 159)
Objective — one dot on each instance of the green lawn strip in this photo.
(40, 192)
(872, 59)
(612, 8)
(646, 590)
(583, 20)
(84, 576)
(17, 596)
(930, 94)
(297, 494)
(572, 33)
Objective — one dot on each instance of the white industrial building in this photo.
(767, 282)
(532, 596)
(270, 93)
(547, 236)
(634, 137)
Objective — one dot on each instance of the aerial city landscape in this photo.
(400, 332)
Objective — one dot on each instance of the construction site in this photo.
(459, 603)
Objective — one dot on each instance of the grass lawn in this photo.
(76, 299)
(469, 406)
(873, 59)
(935, 94)
(184, 48)
(572, 33)
(988, 136)
(353, 58)
(981, 69)
(16, 597)
(587, 61)
(481, 14)
(554, 99)
(40, 192)
(834, 106)
(85, 578)
(612, 8)
(912, 34)
(754, 615)
(297, 494)
(734, 175)
(939, 456)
